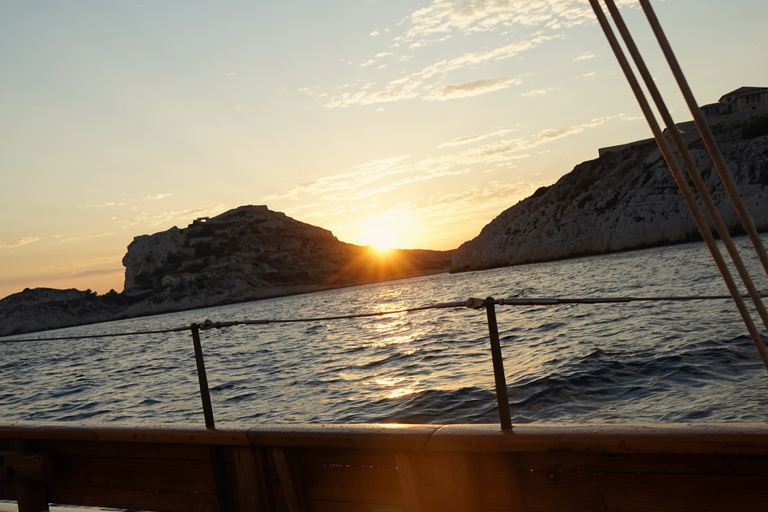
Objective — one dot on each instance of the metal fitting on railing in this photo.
(473, 303)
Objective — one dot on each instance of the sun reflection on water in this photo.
(398, 390)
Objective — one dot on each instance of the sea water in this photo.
(658, 361)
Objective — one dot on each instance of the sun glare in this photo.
(383, 238)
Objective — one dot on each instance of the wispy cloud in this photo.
(428, 82)
(18, 242)
(584, 56)
(102, 205)
(502, 149)
(535, 92)
(461, 141)
(313, 92)
(361, 178)
(78, 237)
(154, 197)
(376, 58)
(531, 22)
(443, 19)
(99, 272)
(475, 88)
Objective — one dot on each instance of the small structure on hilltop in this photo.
(744, 102)
(198, 221)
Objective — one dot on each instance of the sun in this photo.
(382, 237)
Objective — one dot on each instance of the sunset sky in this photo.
(411, 124)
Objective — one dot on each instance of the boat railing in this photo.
(417, 452)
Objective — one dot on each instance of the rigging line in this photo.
(693, 171)
(706, 135)
(682, 184)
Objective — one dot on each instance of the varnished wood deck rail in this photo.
(388, 468)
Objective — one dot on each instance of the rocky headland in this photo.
(626, 199)
(253, 253)
(243, 254)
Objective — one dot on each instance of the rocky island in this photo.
(252, 253)
(625, 199)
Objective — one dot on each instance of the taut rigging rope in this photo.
(706, 134)
(674, 167)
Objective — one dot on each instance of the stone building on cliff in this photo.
(743, 102)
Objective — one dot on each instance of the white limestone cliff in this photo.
(624, 200)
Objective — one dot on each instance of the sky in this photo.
(409, 124)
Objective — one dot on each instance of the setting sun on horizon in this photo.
(391, 124)
(383, 237)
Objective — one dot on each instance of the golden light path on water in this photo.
(395, 330)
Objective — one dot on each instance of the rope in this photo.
(706, 134)
(472, 303)
(682, 184)
(693, 171)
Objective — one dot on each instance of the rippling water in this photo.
(660, 361)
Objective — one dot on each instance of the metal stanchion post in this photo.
(205, 394)
(498, 366)
(217, 457)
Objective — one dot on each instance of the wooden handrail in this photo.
(398, 468)
(608, 438)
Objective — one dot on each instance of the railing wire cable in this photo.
(92, 336)
(472, 303)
